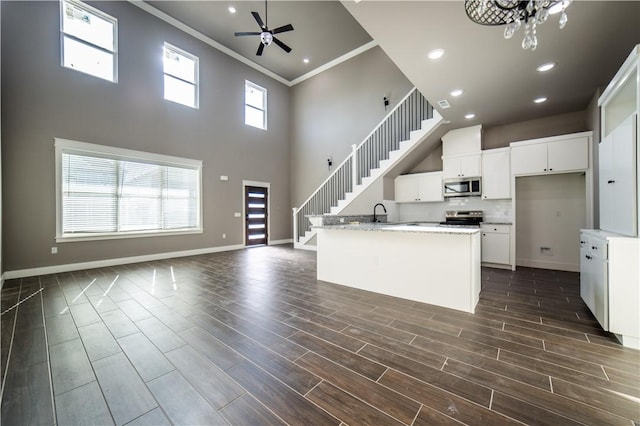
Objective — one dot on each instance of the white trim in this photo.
(196, 73)
(620, 78)
(56, 269)
(66, 145)
(263, 90)
(267, 185)
(307, 247)
(355, 52)
(198, 35)
(278, 242)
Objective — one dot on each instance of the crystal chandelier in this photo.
(515, 14)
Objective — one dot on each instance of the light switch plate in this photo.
(237, 214)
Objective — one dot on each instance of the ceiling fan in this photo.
(267, 35)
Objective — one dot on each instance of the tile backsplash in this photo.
(494, 210)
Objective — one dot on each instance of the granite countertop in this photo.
(496, 222)
(398, 227)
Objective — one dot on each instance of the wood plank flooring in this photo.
(250, 337)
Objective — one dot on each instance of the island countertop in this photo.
(401, 227)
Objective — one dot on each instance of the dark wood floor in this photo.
(252, 338)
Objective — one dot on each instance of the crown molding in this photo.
(211, 42)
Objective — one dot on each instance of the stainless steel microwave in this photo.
(462, 187)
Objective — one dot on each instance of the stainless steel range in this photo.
(462, 218)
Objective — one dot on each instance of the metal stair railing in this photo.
(397, 125)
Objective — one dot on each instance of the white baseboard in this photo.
(307, 247)
(558, 266)
(56, 269)
(277, 242)
(1, 281)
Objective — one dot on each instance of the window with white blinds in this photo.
(106, 192)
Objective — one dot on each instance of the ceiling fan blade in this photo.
(260, 49)
(258, 19)
(247, 33)
(282, 45)
(283, 28)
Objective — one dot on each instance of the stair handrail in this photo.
(355, 147)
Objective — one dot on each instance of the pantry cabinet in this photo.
(419, 187)
(557, 154)
(619, 157)
(617, 180)
(496, 174)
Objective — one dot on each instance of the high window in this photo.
(106, 192)
(89, 40)
(180, 76)
(255, 105)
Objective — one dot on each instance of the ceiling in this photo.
(498, 77)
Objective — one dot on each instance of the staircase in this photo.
(402, 130)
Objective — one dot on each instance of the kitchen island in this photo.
(424, 263)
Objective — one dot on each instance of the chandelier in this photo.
(517, 13)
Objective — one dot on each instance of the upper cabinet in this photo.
(619, 154)
(462, 141)
(418, 187)
(461, 152)
(496, 174)
(461, 166)
(557, 154)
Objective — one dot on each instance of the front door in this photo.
(256, 201)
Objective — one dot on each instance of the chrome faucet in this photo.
(375, 219)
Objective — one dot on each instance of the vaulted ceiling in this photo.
(498, 77)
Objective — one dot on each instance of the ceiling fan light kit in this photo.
(515, 14)
(267, 35)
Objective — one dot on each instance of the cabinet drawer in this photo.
(500, 229)
(598, 248)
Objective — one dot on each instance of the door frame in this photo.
(266, 185)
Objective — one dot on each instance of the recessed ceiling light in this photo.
(540, 99)
(457, 92)
(232, 9)
(546, 67)
(305, 60)
(470, 116)
(436, 53)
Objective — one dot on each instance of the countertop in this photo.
(492, 222)
(422, 228)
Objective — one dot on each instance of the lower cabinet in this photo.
(610, 282)
(496, 244)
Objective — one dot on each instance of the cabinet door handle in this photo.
(545, 170)
(582, 242)
(594, 248)
(484, 235)
(550, 170)
(611, 181)
(588, 257)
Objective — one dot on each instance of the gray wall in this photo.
(335, 109)
(42, 100)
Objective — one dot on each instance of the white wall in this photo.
(550, 211)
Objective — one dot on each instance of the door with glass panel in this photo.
(256, 203)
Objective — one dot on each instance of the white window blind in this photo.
(105, 193)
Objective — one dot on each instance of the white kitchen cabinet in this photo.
(617, 179)
(566, 153)
(424, 187)
(496, 246)
(467, 140)
(496, 174)
(461, 166)
(610, 282)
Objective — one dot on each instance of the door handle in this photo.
(611, 181)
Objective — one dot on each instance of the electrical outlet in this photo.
(342, 220)
(54, 250)
(546, 251)
(237, 214)
(224, 236)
